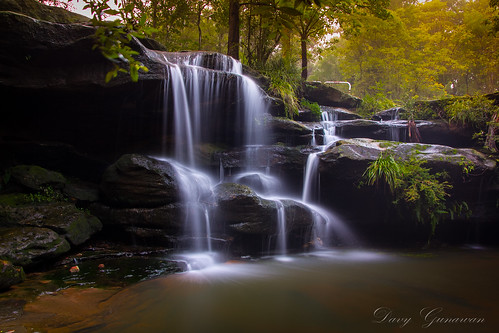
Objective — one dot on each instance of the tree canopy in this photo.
(402, 48)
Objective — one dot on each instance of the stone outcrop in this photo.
(64, 218)
(139, 181)
(31, 245)
(329, 96)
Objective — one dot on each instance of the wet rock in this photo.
(64, 218)
(81, 191)
(140, 181)
(167, 218)
(342, 165)
(243, 210)
(328, 96)
(30, 245)
(289, 132)
(432, 132)
(284, 161)
(36, 178)
(10, 274)
(390, 114)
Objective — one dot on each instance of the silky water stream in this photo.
(326, 290)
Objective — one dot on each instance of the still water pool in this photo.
(329, 291)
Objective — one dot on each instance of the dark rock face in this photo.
(328, 96)
(30, 245)
(10, 274)
(169, 218)
(432, 132)
(288, 132)
(140, 181)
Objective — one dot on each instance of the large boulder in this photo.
(347, 160)
(248, 216)
(371, 213)
(329, 96)
(31, 245)
(64, 218)
(140, 181)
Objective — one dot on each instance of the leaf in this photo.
(112, 12)
(290, 11)
(111, 75)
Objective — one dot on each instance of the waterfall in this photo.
(281, 244)
(310, 182)
(207, 99)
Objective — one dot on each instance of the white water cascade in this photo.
(196, 113)
(281, 245)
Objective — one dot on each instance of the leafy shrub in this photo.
(47, 194)
(372, 104)
(480, 113)
(414, 189)
(476, 111)
(312, 106)
(285, 81)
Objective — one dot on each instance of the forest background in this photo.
(394, 49)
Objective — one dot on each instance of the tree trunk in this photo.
(233, 40)
(304, 60)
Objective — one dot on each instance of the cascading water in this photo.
(194, 81)
(281, 245)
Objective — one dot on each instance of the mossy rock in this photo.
(27, 246)
(36, 178)
(10, 274)
(64, 218)
(140, 181)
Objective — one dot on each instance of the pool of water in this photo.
(328, 291)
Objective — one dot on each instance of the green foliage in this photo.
(312, 106)
(47, 194)
(478, 112)
(415, 110)
(425, 48)
(284, 83)
(383, 170)
(414, 189)
(372, 104)
(475, 111)
(113, 37)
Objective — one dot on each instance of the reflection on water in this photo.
(330, 291)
